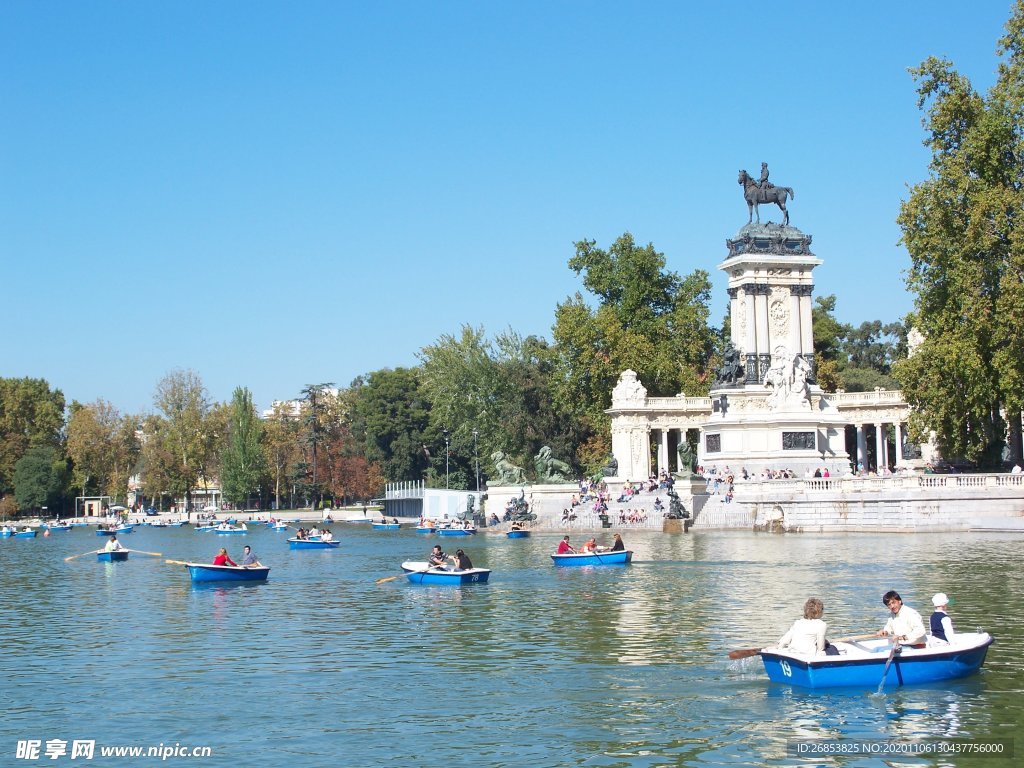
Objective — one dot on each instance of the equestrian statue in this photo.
(762, 192)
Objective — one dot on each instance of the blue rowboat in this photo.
(176, 524)
(57, 527)
(425, 529)
(114, 556)
(862, 664)
(225, 529)
(25, 534)
(455, 531)
(198, 572)
(520, 534)
(386, 526)
(422, 573)
(279, 527)
(621, 557)
(311, 544)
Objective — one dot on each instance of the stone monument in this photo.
(767, 411)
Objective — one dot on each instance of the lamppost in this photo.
(445, 432)
(476, 460)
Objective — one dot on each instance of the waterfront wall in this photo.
(901, 503)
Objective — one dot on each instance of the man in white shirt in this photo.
(905, 625)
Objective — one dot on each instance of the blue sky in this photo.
(276, 194)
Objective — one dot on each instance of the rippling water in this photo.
(613, 666)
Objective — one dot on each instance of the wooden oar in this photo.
(406, 573)
(176, 562)
(75, 557)
(745, 652)
(144, 552)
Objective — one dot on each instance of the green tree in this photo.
(828, 343)
(104, 447)
(242, 466)
(177, 446)
(40, 478)
(281, 446)
(962, 228)
(647, 318)
(31, 415)
(390, 415)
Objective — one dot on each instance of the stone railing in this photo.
(699, 404)
(881, 484)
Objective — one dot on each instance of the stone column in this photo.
(862, 447)
(663, 453)
(806, 323)
(899, 443)
(796, 323)
(879, 448)
(760, 319)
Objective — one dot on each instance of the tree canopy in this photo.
(962, 228)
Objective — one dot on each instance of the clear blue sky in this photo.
(276, 194)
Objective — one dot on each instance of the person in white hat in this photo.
(941, 624)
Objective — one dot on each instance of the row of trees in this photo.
(471, 396)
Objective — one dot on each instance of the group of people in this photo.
(589, 546)
(905, 626)
(314, 533)
(438, 559)
(249, 559)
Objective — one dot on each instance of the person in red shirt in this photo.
(564, 548)
(223, 559)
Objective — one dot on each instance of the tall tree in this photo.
(648, 318)
(315, 396)
(178, 448)
(40, 477)
(281, 445)
(242, 466)
(104, 447)
(390, 415)
(31, 414)
(963, 229)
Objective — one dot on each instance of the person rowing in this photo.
(437, 557)
(223, 559)
(905, 625)
(249, 560)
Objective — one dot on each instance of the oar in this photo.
(745, 652)
(888, 662)
(392, 578)
(75, 557)
(176, 562)
(144, 552)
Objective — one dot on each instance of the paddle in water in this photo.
(392, 578)
(75, 557)
(888, 663)
(144, 552)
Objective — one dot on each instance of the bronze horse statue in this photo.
(756, 196)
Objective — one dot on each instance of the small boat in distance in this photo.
(25, 533)
(114, 531)
(228, 528)
(518, 533)
(456, 531)
(862, 663)
(386, 526)
(202, 572)
(620, 557)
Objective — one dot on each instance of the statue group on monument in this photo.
(548, 469)
(788, 378)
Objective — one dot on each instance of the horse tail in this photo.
(790, 191)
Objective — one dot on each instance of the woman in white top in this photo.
(807, 635)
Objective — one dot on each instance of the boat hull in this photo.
(435, 576)
(862, 665)
(25, 534)
(225, 531)
(518, 534)
(455, 531)
(115, 556)
(595, 558)
(116, 532)
(425, 529)
(386, 526)
(57, 527)
(307, 544)
(203, 573)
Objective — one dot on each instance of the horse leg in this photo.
(785, 213)
(750, 212)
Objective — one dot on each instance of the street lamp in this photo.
(445, 432)
(476, 460)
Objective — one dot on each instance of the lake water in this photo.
(543, 666)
